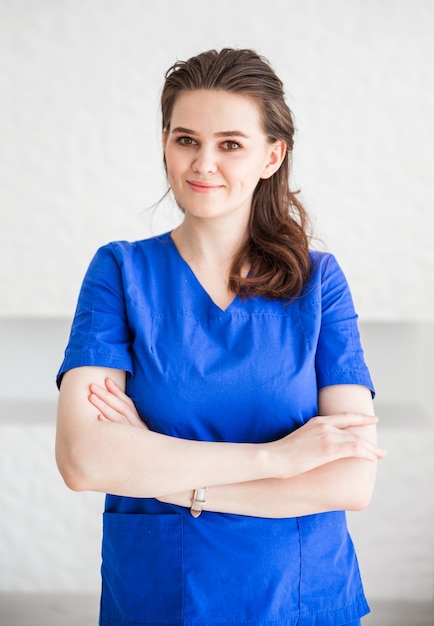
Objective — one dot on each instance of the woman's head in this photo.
(241, 72)
(277, 218)
(216, 152)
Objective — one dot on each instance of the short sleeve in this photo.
(339, 357)
(100, 335)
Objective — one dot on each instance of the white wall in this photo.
(80, 159)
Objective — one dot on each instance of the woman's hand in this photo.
(114, 405)
(325, 439)
(322, 440)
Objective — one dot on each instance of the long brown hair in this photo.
(277, 246)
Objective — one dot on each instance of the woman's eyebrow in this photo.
(180, 129)
(224, 133)
(232, 133)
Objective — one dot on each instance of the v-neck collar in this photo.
(196, 280)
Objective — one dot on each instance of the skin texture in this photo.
(216, 152)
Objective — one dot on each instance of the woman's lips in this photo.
(202, 187)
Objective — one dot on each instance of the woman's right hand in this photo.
(114, 405)
(324, 439)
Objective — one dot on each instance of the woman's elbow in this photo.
(74, 480)
(71, 469)
(361, 501)
(361, 493)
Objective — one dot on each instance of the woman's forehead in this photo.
(215, 111)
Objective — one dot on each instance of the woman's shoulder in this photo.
(129, 259)
(323, 263)
(326, 275)
(320, 257)
(122, 250)
(326, 264)
(123, 246)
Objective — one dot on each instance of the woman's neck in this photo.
(208, 244)
(210, 251)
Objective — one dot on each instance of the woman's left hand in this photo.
(114, 405)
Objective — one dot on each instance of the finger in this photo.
(359, 447)
(106, 410)
(126, 406)
(114, 402)
(372, 448)
(362, 450)
(129, 408)
(335, 443)
(113, 388)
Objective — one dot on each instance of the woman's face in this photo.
(216, 152)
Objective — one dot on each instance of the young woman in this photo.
(214, 383)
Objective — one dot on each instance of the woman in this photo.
(214, 384)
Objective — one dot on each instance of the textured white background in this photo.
(80, 164)
(80, 158)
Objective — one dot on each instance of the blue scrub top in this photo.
(249, 373)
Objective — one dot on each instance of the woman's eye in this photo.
(231, 145)
(186, 141)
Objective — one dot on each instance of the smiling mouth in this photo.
(202, 187)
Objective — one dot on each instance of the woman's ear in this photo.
(275, 158)
(164, 138)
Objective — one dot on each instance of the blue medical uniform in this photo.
(250, 373)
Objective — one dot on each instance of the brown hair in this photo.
(277, 246)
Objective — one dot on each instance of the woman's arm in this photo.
(321, 441)
(95, 455)
(346, 484)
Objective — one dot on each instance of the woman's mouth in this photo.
(203, 187)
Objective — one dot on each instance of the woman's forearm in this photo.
(112, 456)
(345, 484)
(124, 460)
(342, 485)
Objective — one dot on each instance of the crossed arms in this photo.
(327, 464)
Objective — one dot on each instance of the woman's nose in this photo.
(205, 161)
